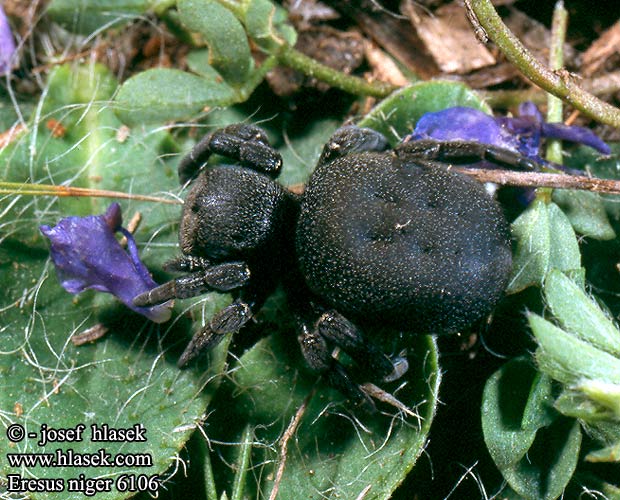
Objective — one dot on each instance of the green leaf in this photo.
(507, 493)
(198, 62)
(550, 462)
(329, 452)
(586, 212)
(589, 160)
(504, 399)
(229, 50)
(88, 16)
(536, 461)
(130, 376)
(579, 314)
(396, 116)
(165, 94)
(592, 401)
(265, 23)
(608, 434)
(545, 239)
(583, 354)
(568, 359)
(576, 404)
(539, 410)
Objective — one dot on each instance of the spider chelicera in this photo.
(380, 236)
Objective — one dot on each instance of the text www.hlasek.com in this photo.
(68, 458)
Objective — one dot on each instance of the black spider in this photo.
(390, 237)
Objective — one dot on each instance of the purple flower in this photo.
(7, 44)
(87, 254)
(522, 134)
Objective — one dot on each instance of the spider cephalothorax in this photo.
(391, 236)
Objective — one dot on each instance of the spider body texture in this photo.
(380, 236)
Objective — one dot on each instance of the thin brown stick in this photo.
(27, 189)
(572, 117)
(132, 226)
(288, 434)
(89, 335)
(539, 179)
(528, 179)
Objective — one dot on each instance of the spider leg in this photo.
(352, 139)
(338, 330)
(221, 277)
(463, 152)
(187, 264)
(333, 329)
(242, 142)
(229, 320)
(318, 356)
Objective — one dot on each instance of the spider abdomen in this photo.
(399, 241)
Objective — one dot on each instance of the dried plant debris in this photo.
(340, 50)
(23, 14)
(537, 37)
(442, 42)
(140, 46)
(604, 53)
(448, 37)
(303, 13)
(392, 32)
(383, 67)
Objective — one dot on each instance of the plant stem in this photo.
(23, 189)
(554, 105)
(245, 452)
(559, 83)
(291, 57)
(606, 84)
(209, 478)
(255, 79)
(556, 62)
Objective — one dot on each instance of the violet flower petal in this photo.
(525, 132)
(571, 133)
(459, 123)
(576, 134)
(87, 255)
(522, 133)
(528, 108)
(466, 124)
(7, 44)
